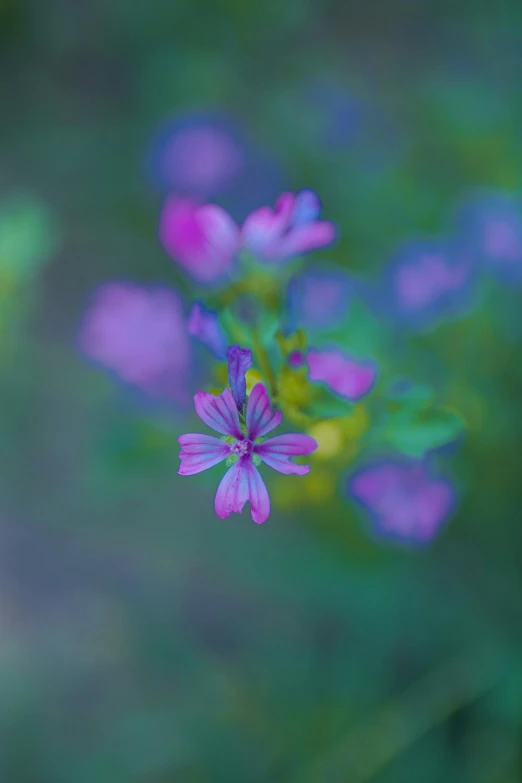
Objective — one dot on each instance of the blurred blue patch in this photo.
(426, 282)
(489, 227)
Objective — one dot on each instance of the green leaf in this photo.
(415, 431)
(27, 236)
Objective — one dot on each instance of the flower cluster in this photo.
(205, 240)
(280, 341)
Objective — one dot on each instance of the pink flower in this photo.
(345, 376)
(141, 334)
(407, 502)
(202, 239)
(288, 230)
(244, 448)
(431, 278)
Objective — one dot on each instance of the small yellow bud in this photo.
(329, 437)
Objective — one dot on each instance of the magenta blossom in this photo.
(242, 444)
(202, 239)
(406, 501)
(288, 230)
(141, 334)
(345, 376)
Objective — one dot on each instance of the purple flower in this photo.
(319, 299)
(141, 334)
(406, 501)
(202, 239)
(490, 225)
(289, 230)
(428, 281)
(345, 376)
(239, 361)
(204, 325)
(196, 155)
(244, 448)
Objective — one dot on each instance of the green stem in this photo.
(263, 362)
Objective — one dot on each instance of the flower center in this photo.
(241, 448)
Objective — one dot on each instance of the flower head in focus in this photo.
(292, 228)
(141, 334)
(243, 428)
(203, 239)
(406, 502)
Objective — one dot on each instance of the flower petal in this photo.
(260, 419)
(262, 229)
(239, 361)
(199, 452)
(220, 413)
(259, 499)
(304, 238)
(345, 376)
(202, 239)
(233, 490)
(276, 452)
(291, 444)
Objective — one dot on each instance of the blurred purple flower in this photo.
(490, 225)
(202, 239)
(244, 448)
(426, 282)
(319, 299)
(204, 325)
(288, 230)
(196, 155)
(406, 502)
(141, 334)
(344, 375)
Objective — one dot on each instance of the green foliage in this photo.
(413, 424)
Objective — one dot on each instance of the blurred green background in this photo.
(142, 640)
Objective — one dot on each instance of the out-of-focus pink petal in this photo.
(260, 230)
(306, 237)
(141, 334)
(199, 452)
(407, 502)
(284, 209)
(220, 413)
(260, 419)
(276, 452)
(345, 376)
(233, 490)
(202, 239)
(263, 228)
(259, 499)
